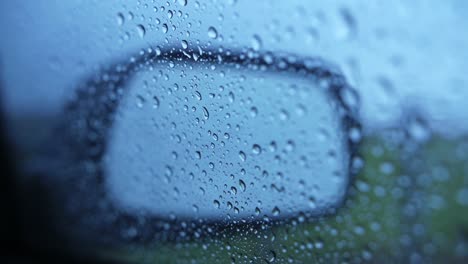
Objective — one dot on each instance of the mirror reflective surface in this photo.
(247, 142)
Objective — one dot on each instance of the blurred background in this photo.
(407, 60)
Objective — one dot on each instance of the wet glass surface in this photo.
(236, 131)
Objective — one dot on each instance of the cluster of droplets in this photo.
(215, 141)
(206, 124)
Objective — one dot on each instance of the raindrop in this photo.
(312, 35)
(165, 28)
(184, 44)
(346, 28)
(216, 204)
(253, 111)
(234, 190)
(212, 33)
(418, 129)
(231, 97)
(354, 134)
(158, 51)
(168, 171)
(206, 114)
(268, 57)
(242, 185)
(276, 211)
(182, 2)
(256, 149)
(140, 101)
(349, 97)
(155, 102)
(257, 211)
(301, 217)
(272, 146)
(141, 30)
(256, 42)
(202, 191)
(272, 256)
(242, 155)
(318, 244)
(300, 110)
(284, 115)
(198, 95)
(130, 16)
(120, 19)
(290, 146)
(312, 203)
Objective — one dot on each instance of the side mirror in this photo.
(214, 136)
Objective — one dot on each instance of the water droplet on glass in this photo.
(290, 146)
(198, 95)
(168, 171)
(233, 190)
(231, 97)
(300, 110)
(349, 97)
(276, 211)
(170, 14)
(212, 33)
(253, 111)
(202, 191)
(140, 101)
(206, 114)
(155, 102)
(283, 115)
(418, 129)
(242, 155)
(272, 256)
(257, 211)
(141, 30)
(184, 44)
(256, 149)
(272, 146)
(346, 26)
(120, 19)
(256, 42)
(354, 134)
(312, 203)
(318, 244)
(242, 185)
(165, 28)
